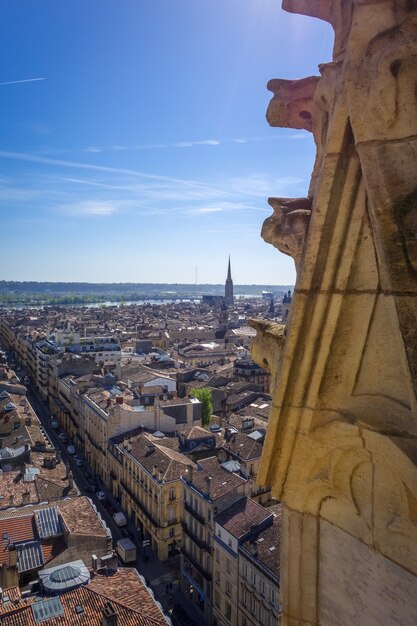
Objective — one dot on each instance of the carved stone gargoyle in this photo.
(287, 228)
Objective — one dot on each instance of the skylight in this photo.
(47, 609)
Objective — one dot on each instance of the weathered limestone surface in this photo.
(341, 447)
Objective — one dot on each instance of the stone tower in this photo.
(341, 446)
(228, 288)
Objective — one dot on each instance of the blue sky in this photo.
(144, 151)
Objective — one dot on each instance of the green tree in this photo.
(204, 395)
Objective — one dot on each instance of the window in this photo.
(228, 588)
(228, 568)
(228, 611)
(218, 577)
(253, 605)
(217, 555)
(245, 597)
(217, 599)
(172, 493)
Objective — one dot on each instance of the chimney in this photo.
(109, 615)
(119, 400)
(108, 402)
(25, 497)
(1, 594)
(190, 474)
(154, 470)
(160, 475)
(12, 555)
(11, 498)
(70, 480)
(94, 562)
(208, 485)
(125, 443)
(58, 455)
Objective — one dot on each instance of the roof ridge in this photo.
(124, 606)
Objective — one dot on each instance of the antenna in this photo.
(196, 275)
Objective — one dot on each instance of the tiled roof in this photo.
(242, 516)
(126, 587)
(221, 481)
(80, 518)
(17, 529)
(90, 613)
(269, 543)
(243, 447)
(149, 454)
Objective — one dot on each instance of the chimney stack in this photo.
(12, 555)
(208, 484)
(190, 474)
(94, 562)
(109, 615)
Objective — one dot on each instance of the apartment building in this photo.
(259, 576)
(244, 453)
(242, 521)
(208, 490)
(145, 477)
(104, 349)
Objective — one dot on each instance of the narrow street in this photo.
(161, 577)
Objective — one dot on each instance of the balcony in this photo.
(156, 523)
(194, 513)
(201, 544)
(196, 565)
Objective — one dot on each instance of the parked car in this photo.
(78, 461)
(71, 450)
(101, 496)
(119, 519)
(90, 487)
(63, 437)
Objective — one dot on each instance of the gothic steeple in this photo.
(228, 289)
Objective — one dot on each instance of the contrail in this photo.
(26, 80)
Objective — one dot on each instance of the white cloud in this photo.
(25, 80)
(92, 149)
(91, 208)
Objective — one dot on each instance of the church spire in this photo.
(228, 288)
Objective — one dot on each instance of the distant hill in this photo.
(31, 292)
(123, 288)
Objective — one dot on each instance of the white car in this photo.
(119, 519)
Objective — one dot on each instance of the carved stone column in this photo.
(341, 447)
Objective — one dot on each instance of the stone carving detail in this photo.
(341, 447)
(287, 228)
